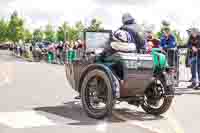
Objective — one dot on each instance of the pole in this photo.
(65, 34)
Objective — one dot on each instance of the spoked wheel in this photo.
(96, 94)
(155, 101)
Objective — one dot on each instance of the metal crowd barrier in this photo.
(181, 59)
(177, 58)
(72, 55)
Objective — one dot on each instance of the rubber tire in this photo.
(166, 103)
(109, 105)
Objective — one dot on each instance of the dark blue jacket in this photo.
(133, 30)
(168, 43)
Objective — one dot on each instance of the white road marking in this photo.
(102, 126)
(137, 123)
(172, 121)
(24, 119)
(6, 73)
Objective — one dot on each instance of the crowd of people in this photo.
(54, 53)
(57, 53)
(167, 42)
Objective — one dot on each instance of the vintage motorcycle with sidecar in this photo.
(140, 79)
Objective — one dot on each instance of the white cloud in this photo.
(52, 11)
(181, 13)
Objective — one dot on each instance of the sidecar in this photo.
(140, 79)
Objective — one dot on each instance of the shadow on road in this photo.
(73, 110)
(137, 115)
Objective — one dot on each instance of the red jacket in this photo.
(155, 44)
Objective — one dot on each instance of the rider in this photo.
(129, 32)
(134, 30)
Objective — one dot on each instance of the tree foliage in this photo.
(15, 28)
(49, 33)
(38, 35)
(71, 33)
(62, 32)
(178, 37)
(95, 25)
(3, 30)
(27, 36)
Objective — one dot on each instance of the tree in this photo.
(3, 30)
(72, 32)
(80, 28)
(95, 25)
(27, 36)
(49, 33)
(62, 32)
(38, 35)
(178, 37)
(15, 28)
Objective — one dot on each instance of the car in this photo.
(140, 79)
(4, 46)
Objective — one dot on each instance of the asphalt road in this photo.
(36, 98)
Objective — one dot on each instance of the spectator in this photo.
(168, 40)
(60, 50)
(189, 58)
(151, 42)
(194, 41)
(18, 50)
(80, 44)
(51, 50)
(168, 43)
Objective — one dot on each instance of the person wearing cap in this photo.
(134, 30)
(168, 40)
(194, 41)
(129, 33)
(168, 44)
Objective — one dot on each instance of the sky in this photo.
(181, 13)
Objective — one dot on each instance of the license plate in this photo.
(170, 79)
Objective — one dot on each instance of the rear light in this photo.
(172, 71)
